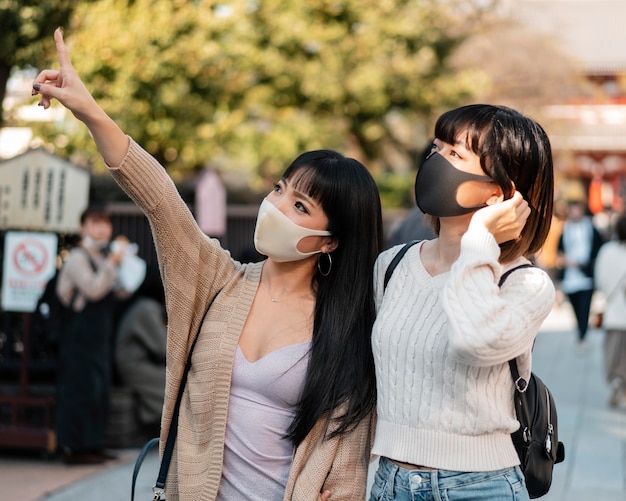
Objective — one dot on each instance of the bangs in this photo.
(342, 186)
(318, 174)
(307, 180)
(468, 124)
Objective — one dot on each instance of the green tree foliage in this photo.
(26, 28)
(253, 83)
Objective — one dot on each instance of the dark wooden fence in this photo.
(240, 221)
(27, 383)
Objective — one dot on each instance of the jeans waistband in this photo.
(442, 478)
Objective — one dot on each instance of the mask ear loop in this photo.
(330, 264)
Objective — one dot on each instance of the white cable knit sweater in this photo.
(441, 347)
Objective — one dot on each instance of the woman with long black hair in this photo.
(280, 396)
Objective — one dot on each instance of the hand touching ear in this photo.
(505, 220)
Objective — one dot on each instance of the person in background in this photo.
(280, 398)
(140, 351)
(415, 225)
(546, 258)
(578, 247)
(445, 329)
(610, 277)
(86, 285)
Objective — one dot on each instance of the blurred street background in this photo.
(225, 95)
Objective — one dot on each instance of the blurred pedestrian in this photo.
(610, 276)
(140, 351)
(578, 248)
(546, 258)
(86, 285)
(415, 225)
(210, 203)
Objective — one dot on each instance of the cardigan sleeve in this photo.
(490, 324)
(347, 479)
(339, 464)
(193, 266)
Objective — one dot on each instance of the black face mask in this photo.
(436, 185)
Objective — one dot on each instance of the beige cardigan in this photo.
(194, 268)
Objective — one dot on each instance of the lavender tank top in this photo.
(263, 396)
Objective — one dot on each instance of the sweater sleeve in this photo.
(489, 324)
(339, 464)
(193, 266)
(347, 478)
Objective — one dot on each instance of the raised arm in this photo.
(65, 86)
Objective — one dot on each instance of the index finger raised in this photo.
(62, 52)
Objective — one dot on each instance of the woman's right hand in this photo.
(65, 86)
(505, 220)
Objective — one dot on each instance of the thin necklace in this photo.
(276, 300)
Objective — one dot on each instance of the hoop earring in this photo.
(330, 264)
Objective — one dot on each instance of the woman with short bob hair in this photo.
(500, 138)
(447, 327)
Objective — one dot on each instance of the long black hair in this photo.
(341, 364)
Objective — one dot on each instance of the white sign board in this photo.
(29, 262)
(42, 192)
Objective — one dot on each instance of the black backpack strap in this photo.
(396, 259)
(513, 363)
(142, 455)
(519, 400)
(519, 382)
(506, 274)
(159, 486)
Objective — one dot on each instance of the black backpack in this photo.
(537, 439)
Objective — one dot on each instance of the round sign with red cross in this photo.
(29, 262)
(30, 257)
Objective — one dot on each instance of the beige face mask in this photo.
(276, 236)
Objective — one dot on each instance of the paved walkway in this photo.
(594, 436)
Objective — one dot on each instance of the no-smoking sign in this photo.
(30, 257)
(29, 261)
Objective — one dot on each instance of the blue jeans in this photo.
(394, 483)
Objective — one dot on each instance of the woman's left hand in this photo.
(324, 496)
(504, 220)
